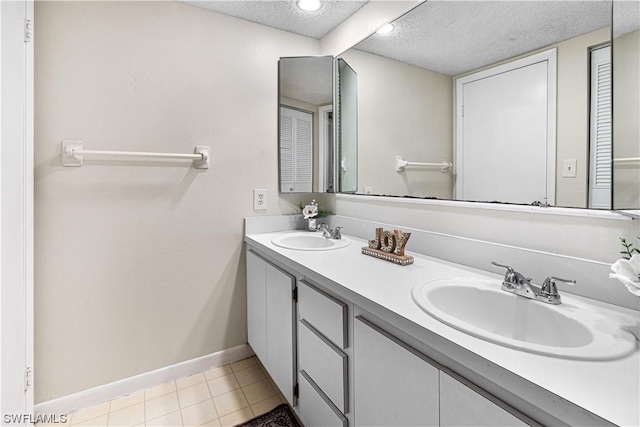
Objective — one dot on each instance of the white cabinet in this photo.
(394, 384)
(271, 321)
(465, 405)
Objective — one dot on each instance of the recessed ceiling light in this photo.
(309, 5)
(385, 29)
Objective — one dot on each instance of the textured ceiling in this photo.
(285, 15)
(626, 17)
(452, 37)
(307, 79)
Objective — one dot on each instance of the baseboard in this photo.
(103, 393)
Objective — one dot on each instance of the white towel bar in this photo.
(627, 161)
(73, 154)
(401, 164)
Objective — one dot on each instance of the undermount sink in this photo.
(309, 241)
(571, 330)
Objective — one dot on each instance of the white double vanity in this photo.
(351, 340)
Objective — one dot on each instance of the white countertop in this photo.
(608, 389)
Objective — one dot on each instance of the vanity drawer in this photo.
(314, 408)
(325, 313)
(325, 363)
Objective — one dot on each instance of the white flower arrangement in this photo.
(627, 271)
(313, 211)
(310, 211)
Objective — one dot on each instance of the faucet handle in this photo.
(512, 277)
(509, 269)
(549, 285)
(337, 233)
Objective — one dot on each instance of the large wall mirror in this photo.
(626, 105)
(495, 101)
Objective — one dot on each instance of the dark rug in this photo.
(280, 416)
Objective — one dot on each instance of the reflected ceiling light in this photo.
(385, 29)
(309, 5)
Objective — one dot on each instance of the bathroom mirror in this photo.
(416, 139)
(346, 158)
(626, 105)
(305, 124)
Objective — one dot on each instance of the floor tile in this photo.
(190, 381)
(160, 390)
(128, 416)
(128, 400)
(95, 422)
(90, 413)
(222, 385)
(194, 394)
(173, 419)
(258, 391)
(266, 405)
(237, 417)
(249, 375)
(218, 372)
(230, 402)
(213, 423)
(162, 405)
(245, 363)
(199, 413)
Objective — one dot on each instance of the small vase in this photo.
(311, 224)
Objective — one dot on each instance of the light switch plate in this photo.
(569, 168)
(259, 199)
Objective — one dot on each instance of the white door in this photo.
(16, 212)
(461, 406)
(281, 344)
(394, 384)
(296, 151)
(506, 132)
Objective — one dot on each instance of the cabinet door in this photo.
(257, 305)
(280, 361)
(394, 385)
(460, 405)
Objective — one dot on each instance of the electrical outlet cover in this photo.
(260, 199)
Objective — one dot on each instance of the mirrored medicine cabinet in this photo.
(317, 152)
(505, 102)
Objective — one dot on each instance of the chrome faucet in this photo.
(518, 284)
(329, 233)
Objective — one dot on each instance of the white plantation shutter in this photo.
(296, 151)
(304, 150)
(601, 130)
(286, 148)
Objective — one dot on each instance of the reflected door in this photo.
(296, 151)
(504, 149)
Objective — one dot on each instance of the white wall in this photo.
(573, 116)
(140, 265)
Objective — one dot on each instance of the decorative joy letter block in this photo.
(389, 246)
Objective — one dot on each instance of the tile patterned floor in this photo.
(223, 396)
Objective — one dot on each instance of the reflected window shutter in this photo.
(304, 153)
(286, 149)
(602, 127)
